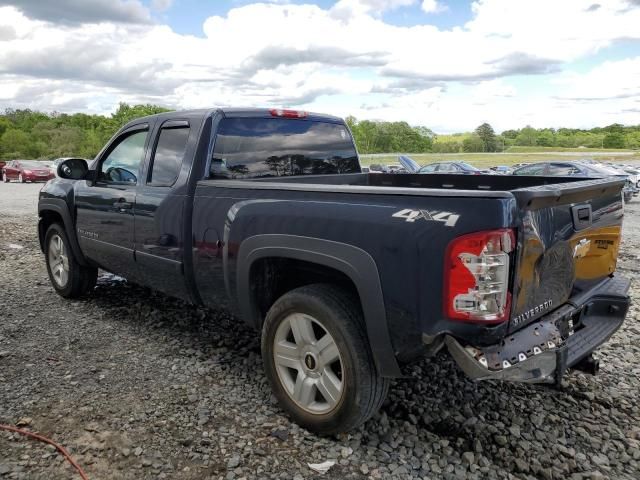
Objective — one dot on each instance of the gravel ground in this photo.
(19, 198)
(137, 385)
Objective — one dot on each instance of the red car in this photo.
(26, 171)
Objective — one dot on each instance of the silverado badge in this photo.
(532, 312)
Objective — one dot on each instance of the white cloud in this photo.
(343, 60)
(433, 6)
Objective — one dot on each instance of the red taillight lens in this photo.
(477, 276)
(279, 112)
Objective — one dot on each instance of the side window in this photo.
(429, 168)
(167, 159)
(563, 170)
(445, 167)
(535, 169)
(122, 164)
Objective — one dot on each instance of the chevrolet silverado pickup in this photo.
(346, 275)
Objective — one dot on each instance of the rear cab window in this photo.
(248, 148)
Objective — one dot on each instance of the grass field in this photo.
(509, 158)
(562, 149)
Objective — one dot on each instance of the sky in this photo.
(449, 65)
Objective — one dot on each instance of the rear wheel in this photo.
(5, 179)
(67, 276)
(318, 360)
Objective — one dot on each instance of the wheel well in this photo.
(270, 278)
(47, 218)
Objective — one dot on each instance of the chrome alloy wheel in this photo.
(308, 363)
(58, 261)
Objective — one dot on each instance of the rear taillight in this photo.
(477, 276)
(280, 112)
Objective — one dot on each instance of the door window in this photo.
(167, 158)
(121, 165)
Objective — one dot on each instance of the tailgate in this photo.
(568, 239)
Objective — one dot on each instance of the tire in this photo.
(21, 179)
(68, 278)
(5, 179)
(338, 396)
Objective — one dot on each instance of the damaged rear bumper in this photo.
(543, 351)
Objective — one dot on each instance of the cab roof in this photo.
(228, 112)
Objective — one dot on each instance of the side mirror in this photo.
(73, 169)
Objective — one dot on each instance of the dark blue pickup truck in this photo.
(347, 275)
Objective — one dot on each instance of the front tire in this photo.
(5, 179)
(67, 276)
(318, 361)
(21, 179)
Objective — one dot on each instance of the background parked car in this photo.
(395, 169)
(634, 174)
(26, 171)
(501, 169)
(579, 169)
(461, 168)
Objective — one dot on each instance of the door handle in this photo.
(122, 205)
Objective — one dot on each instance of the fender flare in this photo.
(60, 207)
(354, 262)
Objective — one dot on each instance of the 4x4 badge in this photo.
(448, 218)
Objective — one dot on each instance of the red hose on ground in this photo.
(60, 448)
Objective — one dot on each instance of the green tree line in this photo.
(28, 134)
(484, 139)
(31, 134)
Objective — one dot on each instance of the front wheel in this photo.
(67, 276)
(5, 179)
(318, 361)
(21, 179)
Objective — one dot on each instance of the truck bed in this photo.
(439, 181)
(529, 191)
(551, 215)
